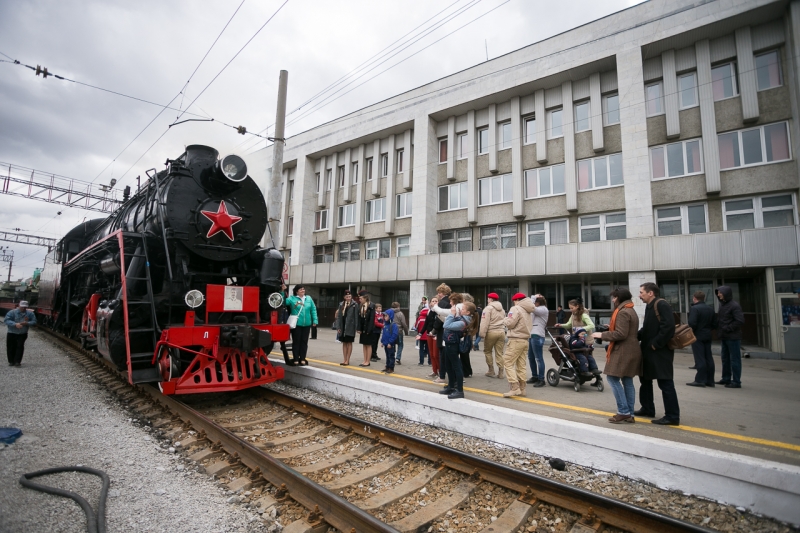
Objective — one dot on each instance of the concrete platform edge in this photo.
(766, 487)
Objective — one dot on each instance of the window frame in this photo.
(684, 218)
(443, 142)
(483, 148)
(323, 248)
(550, 114)
(461, 143)
(602, 225)
(781, 81)
(290, 226)
(498, 236)
(384, 165)
(660, 99)
(405, 246)
(502, 200)
(696, 103)
(350, 248)
(734, 80)
(538, 171)
(343, 209)
(318, 219)
(403, 202)
(592, 173)
(763, 146)
(340, 171)
(575, 107)
(319, 181)
(758, 209)
(606, 121)
(368, 247)
(328, 179)
(663, 147)
(368, 164)
(369, 210)
(399, 155)
(525, 122)
(546, 231)
(457, 238)
(502, 144)
(291, 190)
(462, 201)
(354, 171)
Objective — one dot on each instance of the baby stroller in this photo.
(569, 366)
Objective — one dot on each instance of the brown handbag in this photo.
(683, 337)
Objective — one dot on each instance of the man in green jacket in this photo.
(303, 308)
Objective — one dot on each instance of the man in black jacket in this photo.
(657, 329)
(730, 321)
(701, 320)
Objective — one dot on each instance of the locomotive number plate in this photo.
(234, 299)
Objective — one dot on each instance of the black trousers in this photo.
(466, 364)
(15, 347)
(671, 409)
(452, 360)
(704, 362)
(313, 332)
(300, 342)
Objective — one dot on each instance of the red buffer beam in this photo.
(47, 187)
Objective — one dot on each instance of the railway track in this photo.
(318, 468)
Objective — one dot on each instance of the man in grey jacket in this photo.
(18, 322)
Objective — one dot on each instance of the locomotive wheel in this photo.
(169, 367)
(552, 377)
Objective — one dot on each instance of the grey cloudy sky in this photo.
(149, 48)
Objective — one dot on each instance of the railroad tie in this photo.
(339, 459)
(218, 466)
(513, 517)
(205, 453)
(280, 441)
(239, 484)
(399, 491)
(279, 427)
(246, 423)
(309, 449)
(424, 516)
(301, 526)
(368, 473)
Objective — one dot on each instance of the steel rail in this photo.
(532, 487)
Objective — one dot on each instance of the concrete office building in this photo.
(656, 144)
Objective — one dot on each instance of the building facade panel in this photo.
(675, 252)
(562, 259)
(770, 246)
(718, 250)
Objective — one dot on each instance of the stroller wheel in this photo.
(552, 377)
(599, 385)
(577, 385)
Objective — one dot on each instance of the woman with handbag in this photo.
(303, 315)
(366, 326)
(346, 325)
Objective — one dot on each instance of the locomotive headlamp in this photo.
(233, 168)
(194, 298)
(275, 300)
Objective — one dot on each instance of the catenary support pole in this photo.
(274, 193)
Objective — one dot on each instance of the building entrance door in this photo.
(789, 321)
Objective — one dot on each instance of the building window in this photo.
(676, 160)
(350, 251)
(723, 81)
(764, 212)
(483, 141)
(400, 154)
(554, 128)
(403, 248)
(582, 117)
(600, 172)
(545, 181)
(347, 215)
(455, 241)
(496, 190)
(530, 130)
(403, 205)
(379, 249)
(495, 237)
(756, 146)
(355, 173)
(329, 179)
(461, 142)
(376, 210)
(611, 109)
(442, 150)
(341, 177)
(768, 70)
(384, 165)
(369, 169)
(318, 182)
(323, 254)
(548, 232)
(603, 227)
(681, 220)
(654, 99)
(687, 87)
(290, 226)
(321, 220)
(453, 196)
(504, 134)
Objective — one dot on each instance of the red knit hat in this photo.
(493, 295)
(518, 296)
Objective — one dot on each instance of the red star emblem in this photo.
(221, 221)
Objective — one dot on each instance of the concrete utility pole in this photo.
(274, 193)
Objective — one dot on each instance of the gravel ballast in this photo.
(67, 419)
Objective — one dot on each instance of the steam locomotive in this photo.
(174, 287)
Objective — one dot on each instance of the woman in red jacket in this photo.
(422, 336)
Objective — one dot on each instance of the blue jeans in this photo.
(624, 393)
(455, 373)
(732, 361)
(390, 356)
(423, 351)
(535, 357)
(477, 341)
(400, 346)
(587, 362)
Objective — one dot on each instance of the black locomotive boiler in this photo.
(174, 286)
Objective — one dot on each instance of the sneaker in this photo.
(420, 364)
(532, 380)
(439, 380)
(539, 384)
(433, 375)
(398, 362)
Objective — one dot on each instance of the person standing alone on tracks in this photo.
(18, 321)
(493, 333)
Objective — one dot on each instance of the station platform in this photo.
(761, 420)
